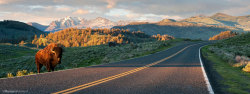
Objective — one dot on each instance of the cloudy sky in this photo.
(45, 11)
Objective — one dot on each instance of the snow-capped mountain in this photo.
(77, 22)
(101, 23)
(63, 23)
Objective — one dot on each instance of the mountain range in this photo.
(222, 19)
(77, 22)
(218, 19)
(197, 27)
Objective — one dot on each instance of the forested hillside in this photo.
(14, 31)
(73, 37)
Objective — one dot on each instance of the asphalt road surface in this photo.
(173, 71)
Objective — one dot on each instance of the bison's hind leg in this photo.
(52, 67)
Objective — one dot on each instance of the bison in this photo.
(50, 56)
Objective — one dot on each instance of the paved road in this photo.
(173, 71)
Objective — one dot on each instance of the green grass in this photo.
(234, 80)
(10, 51)
(229, 48)
(16, 58)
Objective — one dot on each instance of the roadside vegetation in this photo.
(223, 35)
(15, 58)
(231, 61)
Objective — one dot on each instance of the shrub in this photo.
(20, 73)
(247, 67)
(9, 75)
(223, 35)
(31, 73)
(241, 61)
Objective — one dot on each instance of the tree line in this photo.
(73, 37)
(163, 37)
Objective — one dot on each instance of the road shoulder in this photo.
(224, 78)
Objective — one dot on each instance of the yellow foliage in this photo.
(31, 73)
(24, 71)
(20, 73)
(9, 75)
(223, 35)
(22, 42)
(163, 37)
(73, 37)
(247, 67)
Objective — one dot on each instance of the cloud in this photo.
(121, 9)
(3, 2)
(58, 1)
(111, 3)
(24, 17)
(130, 15)
(64, 8)
(6, 1)
(81, 11)
(183, 8)
(155, 17)
(238, 10)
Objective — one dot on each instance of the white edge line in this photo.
(84, 67)
(209, 87)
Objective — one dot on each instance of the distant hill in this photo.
(38, 26)
(179, 29)
(15, 31)
(222, 19)
(166, 21)
(203, 20)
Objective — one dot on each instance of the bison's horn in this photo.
(52, 51)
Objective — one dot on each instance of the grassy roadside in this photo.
(233, 80)
(73, 57)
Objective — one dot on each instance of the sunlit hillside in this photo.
(179, 29)
(203, 20)
(89, 37)
(223, 35)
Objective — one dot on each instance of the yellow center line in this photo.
(97, 82)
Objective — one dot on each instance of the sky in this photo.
(45, 11)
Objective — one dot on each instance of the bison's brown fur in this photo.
(50, 56)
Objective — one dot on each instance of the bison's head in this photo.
(57, 54)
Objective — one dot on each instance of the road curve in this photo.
(173, 71)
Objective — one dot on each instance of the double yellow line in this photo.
(97, 82)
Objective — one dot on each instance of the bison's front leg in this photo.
(48, 67)
(38, 66)
(52, 68)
